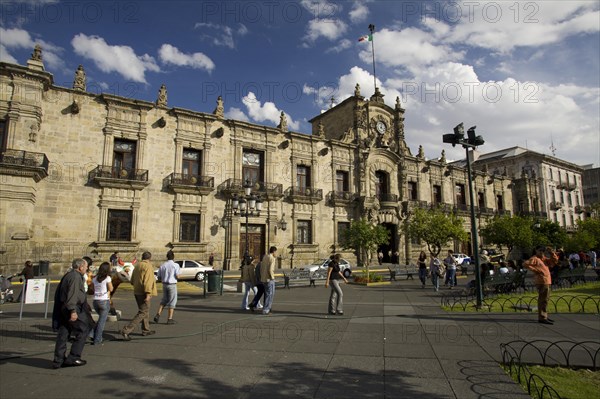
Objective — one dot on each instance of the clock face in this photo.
(381, 127)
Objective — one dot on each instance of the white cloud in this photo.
(359, 12)
(237, 114)
(341, 46)
(330, 29)
(266, 112)
(169, 54)
(16, 38)
(221, 35)
(114, 58)
(323, 94)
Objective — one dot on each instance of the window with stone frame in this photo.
(381, 185)
(189, 227)
(124, 154)
(252, 166)
(500, 202)
(119, 225)
(341, 181)
(3, 134)
(481, 200)
(191, 165)
(303, 232)
(302, 178)
(412, 191)
(437, 194)
(342, 228)
(461, 198)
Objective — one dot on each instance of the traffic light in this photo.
(473, 139)
(456, 137)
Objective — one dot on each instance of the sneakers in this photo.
(171, 321)
(156, 318)
(149, 332)
(125, 336)
(545, 321)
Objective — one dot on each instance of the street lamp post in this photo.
(248, 205)
(472, 141)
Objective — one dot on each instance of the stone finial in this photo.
(161, 100)
(320, 130)
(398, 105)
(35, 62)
(79, 81)
(484, 168)
(219, 110)
(283, 122)
(421, 153)
(357, 90)
(37, 53)
(443, 158)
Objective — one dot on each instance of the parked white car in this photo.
(462, 258)
(323, 264)
(190, 270)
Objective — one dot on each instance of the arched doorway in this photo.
(391, 246)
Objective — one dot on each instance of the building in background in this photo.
(86, 173)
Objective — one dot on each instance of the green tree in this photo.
(591, 226)
(550, 233)
(436, 228)
(364, 238)
(509, 231)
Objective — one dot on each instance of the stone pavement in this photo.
(392, 342)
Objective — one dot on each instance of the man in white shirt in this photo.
(168, 274)
(267, 276)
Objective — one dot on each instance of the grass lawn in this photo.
(572, 384)
(583, 298)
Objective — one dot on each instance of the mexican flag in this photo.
(364, 38)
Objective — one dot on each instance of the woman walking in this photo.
(422, 263)
(102, 288)
(334, 275)
(436, 269)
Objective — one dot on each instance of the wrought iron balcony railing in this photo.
(24, 163)
(112, 176)
(305, 195)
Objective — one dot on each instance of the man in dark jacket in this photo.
(71, 315)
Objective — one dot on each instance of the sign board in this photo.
(35, 291)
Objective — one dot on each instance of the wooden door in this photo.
(256, 241)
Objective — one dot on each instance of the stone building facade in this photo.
(542, 185)
(90, 174)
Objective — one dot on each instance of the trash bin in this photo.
(214, 280)
(44, 268)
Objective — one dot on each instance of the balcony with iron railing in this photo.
(24, 163)
(115, 177)
(190, 184)
(556, 205)
(267, 191)
(305, 195)
(341, 197)
(579, 209)
(419, 204)
(388, 200)
(461, 208)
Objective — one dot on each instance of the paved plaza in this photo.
(393, 341)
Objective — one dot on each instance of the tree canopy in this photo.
(436, 228)
(364, 238)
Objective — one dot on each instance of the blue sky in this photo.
(526, 73)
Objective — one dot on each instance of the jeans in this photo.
(260, 290)
(435, 280)
(336, 298)
(102, 307)
(451, 277)
(269, 294)
(423, 275)
(248, 288)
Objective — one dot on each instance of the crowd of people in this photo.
(72, 315)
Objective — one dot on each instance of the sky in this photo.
(526, 73)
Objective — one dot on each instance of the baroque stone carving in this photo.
(79, 81)
(357, 90)
(283, 122)
(219, 110)
(37, 53)
(161, 101)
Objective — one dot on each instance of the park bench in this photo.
(403, 270)
(504, 283)
(571, 275)
(303, 276)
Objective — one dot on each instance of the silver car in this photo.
(190, 270)
(323, 264)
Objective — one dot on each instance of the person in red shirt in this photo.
(540, 264)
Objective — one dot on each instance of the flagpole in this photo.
(372, 29)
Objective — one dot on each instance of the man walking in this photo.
(267, 276)
(168, 273)
(144, 288)
(71, 315)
